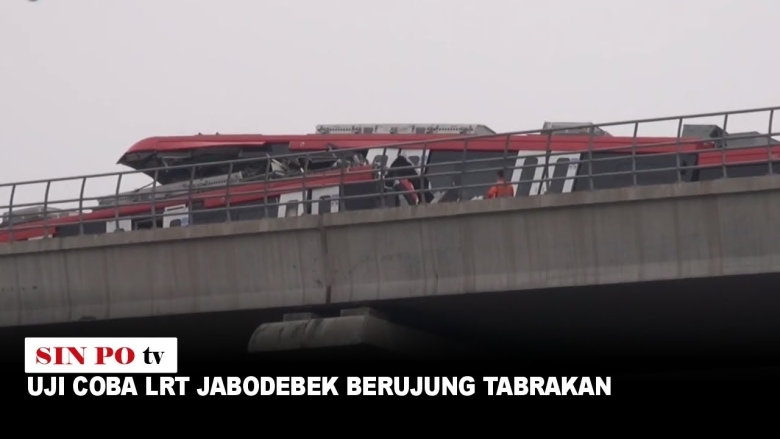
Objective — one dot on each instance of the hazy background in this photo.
(82, 80)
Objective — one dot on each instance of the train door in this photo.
(120, 225)
(325, 200)
(290, 205)
(176, 216)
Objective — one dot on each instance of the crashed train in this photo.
(354, 167)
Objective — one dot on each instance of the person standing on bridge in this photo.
(501, 188)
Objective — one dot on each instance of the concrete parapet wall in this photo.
(610, 236)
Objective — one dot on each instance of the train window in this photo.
(389, 157)
(417, 158)
(404, 167)
(252, 210)
(666, 170)
(481, 171)
(380, 161)
(208, 216)
(444, 169)
(119, 225)
(359, 196)
(324, 204)
(382, 157)
(144, 224)
(323, 200)
(87, 228)
(613, 170)
(291, 209)
(715, 171)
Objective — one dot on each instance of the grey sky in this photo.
(82, 80)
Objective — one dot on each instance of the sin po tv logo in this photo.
(100, 355)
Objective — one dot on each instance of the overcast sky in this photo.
(82, 80)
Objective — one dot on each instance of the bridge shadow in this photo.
(723, 326)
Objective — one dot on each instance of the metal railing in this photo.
(377, 185)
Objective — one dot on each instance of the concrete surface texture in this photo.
(724, 227)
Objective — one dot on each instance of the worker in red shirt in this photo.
(501, 188)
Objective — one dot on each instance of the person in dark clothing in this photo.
(401, 177)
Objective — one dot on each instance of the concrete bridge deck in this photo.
(609, 237)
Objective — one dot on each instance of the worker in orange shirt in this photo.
(501, 188)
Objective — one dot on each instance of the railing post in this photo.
(677, 149)
(154, 199)
(342, 189)
(425, 184)
(227, 192)
(191, 211)
(304, 191)
(45, 210)
(590, 157)
(463, 170)
(634, 156)
(116, 201)
(723, 146)
(11, 221)
(382, 202)
(769, 154)
(267, 177)
(341, 202)
(506, 158)
(510, 177)
(544, 184)
(81, 205)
